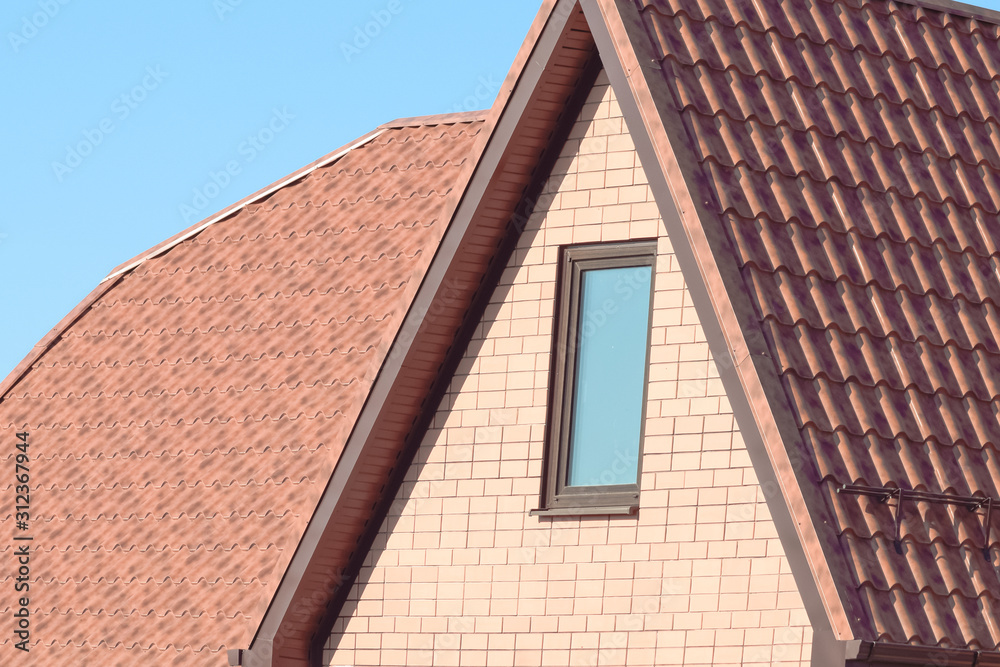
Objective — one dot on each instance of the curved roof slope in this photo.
(851, 150)
(184, 425)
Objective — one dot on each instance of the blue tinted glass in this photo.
(611, 369)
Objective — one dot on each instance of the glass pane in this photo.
(610, 374)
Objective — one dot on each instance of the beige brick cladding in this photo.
(461, 575)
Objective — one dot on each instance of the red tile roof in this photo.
(833, 165)
(185, 422)
(849, 151)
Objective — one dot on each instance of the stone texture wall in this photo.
(460, 574)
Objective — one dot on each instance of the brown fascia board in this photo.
(784, 469)
(293, 601)
(858, 653)
(879, 654)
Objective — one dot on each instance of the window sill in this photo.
(614, 510)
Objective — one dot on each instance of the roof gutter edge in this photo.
(830, 652)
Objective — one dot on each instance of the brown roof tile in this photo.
(184, 424)
(849, 149)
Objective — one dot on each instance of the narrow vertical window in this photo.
(599, 373)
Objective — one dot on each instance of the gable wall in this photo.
(461, 575)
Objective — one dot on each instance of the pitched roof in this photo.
(185, 420)
(835, 168)
(826, 172)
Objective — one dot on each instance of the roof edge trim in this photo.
(202, 226)
(878, 654)
(436, 119)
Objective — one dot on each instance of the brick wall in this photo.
(461, 575)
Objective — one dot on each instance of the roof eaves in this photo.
(881, 654)
(550, 9)
(828, 652)
(726, 313)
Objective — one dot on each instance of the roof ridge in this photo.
(196, 229)
(436, 119)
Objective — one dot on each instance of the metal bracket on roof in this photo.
(885, 494)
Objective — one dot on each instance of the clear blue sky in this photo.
(152, 97)
(162, 94)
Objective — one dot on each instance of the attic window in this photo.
(599, 378)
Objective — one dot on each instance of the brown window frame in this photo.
(557, 497)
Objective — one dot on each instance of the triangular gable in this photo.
(670, 64)
(467, 569)
(527, 113)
